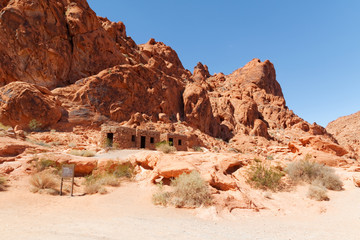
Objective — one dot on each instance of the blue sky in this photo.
(314, 45)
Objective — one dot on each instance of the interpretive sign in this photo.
(67, 171)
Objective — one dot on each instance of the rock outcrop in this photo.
(53, 43)
(97, 74)
(345, 130)
(21, 103)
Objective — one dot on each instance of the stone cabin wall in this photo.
(147, 139)
(125, 137)
(179, 141)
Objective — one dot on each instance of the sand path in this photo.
(127, 213)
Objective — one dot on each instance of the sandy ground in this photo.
(119, 154)
(127, 213)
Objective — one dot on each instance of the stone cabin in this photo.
(126, 137)
(179, 141)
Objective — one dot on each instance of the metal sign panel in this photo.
(68, 171)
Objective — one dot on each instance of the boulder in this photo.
(198, 110)
(260, 129)
(22, 103)
(319, 144)
(168, 167)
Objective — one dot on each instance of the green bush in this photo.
(264, 177)
(165, 147)
(189, 190)
(308, 171)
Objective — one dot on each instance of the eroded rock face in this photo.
(23, 102)
(197, 109)
(52, 43)
(345, 130)
(122, 91)
(103, 75)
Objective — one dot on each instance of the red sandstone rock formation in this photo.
(105, 76)
(22, 102)
(346, 131)
(52, 43)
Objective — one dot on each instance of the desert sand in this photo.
(127, 213)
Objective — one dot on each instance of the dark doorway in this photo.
(171, 141)
(110, 139)
(142, 142)
(179, 142)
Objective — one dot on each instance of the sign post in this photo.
(67, 171)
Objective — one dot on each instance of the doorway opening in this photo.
(171, 141)
(142, 142)
(109, 139)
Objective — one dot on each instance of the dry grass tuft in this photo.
(161, 197)
(261, 176)
(44, 182)
(189, 190)
(307, 171)
(82, 153)
(109, 180)
(93, 187)
(2, 183)
(317, 192)
(165, 147)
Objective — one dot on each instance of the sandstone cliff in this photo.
(346, 131)
(96, 73)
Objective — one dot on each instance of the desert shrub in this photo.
(44, 182)
(95, 183)
(4, 127)
(329, 179)
(190, 190)
(34, 125)
(197, 149)
(161, 198)
(317, 192)
(109, 180)
(82, 153)
(43, 164)
(93, 187)
(261, 176)
(165, 147)
(308, 171)
(124, 170)
(2, 183)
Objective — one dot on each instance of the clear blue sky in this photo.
(314, 45)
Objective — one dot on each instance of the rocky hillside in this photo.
(346, 131)
(64, 66)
